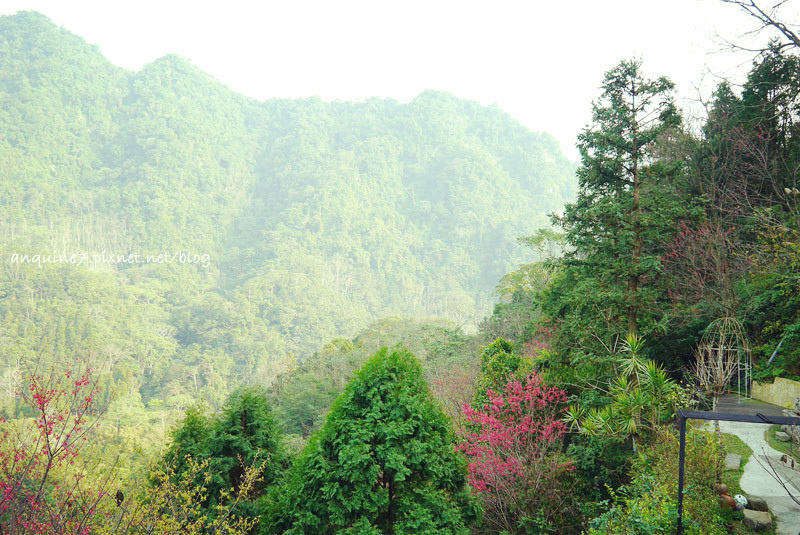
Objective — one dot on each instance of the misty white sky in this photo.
(542, 62)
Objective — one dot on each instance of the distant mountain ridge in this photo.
(318, 217)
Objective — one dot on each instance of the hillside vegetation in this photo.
(281, 224)
(301, 366)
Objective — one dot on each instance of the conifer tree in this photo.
(625, 210)
(383, 463)
(246, 434)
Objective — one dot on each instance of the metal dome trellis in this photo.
(723, 355)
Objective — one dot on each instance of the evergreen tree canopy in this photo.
(627, 206)
(244, 434)
(383, 463)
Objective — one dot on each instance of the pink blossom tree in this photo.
(513, 448)
(42, 476)
(49, 485)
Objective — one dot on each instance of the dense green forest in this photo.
(388, 335)
(282, 224)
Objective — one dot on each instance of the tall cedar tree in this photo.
(626, 206)
(383, 463)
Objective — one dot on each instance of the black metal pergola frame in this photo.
(684, 415)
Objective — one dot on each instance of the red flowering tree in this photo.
(705, 263)
(50, 486)
(42, 487)
(514, 453)
(541, 343)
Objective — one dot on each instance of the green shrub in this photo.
(648, 505)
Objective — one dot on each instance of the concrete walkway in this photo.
(757, 481)
(735, 404)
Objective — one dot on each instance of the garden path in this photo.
(757, 479)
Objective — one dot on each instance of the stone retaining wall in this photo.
(782, 392)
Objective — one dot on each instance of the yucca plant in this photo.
(640, 395)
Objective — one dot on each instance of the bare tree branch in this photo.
(767, 19)
(772, 471)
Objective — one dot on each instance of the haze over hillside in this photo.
(282, 223)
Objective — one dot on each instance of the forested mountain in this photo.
(222, 315)
(282, 224)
